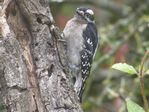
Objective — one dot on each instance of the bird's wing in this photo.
(91, 37)
(90, 44)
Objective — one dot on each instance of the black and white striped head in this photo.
(85, 13)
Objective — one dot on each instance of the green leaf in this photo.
(133, 107)
(147, 72)
(124, 68)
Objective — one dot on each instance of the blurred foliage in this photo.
(2, 107)
(123, 27)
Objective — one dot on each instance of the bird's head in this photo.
(85, 13)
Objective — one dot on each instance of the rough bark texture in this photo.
(33, 71)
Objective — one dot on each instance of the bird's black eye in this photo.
(90, 17)
(87, 15)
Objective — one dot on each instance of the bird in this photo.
(81, 37)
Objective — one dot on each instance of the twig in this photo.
(141, 74)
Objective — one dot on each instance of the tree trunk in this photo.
(33, 66)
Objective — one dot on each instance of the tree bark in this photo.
(33, 66)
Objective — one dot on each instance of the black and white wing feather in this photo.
(90, 44)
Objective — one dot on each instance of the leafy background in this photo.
(123, 27)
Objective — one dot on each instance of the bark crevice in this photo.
(34, 57)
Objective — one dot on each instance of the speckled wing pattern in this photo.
(90, 44)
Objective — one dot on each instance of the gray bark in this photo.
(33, 66)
